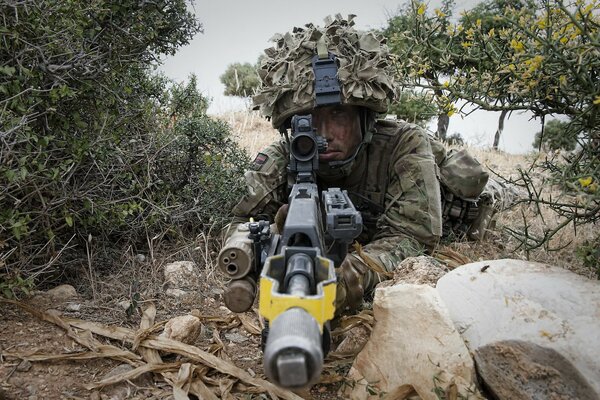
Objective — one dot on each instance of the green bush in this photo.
(92, 142)
(414, 107)
(557, 136)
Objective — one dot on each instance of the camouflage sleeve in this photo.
(266, 183)
(412, 220)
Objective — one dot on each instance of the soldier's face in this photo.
(340, 125)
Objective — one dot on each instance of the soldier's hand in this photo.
(280, 217)
(350, 284)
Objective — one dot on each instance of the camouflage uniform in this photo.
(394, 183)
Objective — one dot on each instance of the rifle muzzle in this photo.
(293, 356)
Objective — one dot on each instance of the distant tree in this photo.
(432, 73)
(240, 80)
(541, 57)
(455, 139)
(556, 136)
(414, 107)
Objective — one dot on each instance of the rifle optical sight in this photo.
(305, 145)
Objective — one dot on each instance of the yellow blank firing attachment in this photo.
(273, 302)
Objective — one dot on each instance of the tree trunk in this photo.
(442, 129)
(500, 128)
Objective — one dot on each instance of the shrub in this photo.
(92, 144)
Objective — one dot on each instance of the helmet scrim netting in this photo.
(364, 69)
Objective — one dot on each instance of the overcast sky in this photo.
(239, 31)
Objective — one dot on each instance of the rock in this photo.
(185, 328)
(140, 258)
(519, 370)
(177, 293)
(73, 307)
(492, 302)
(180, 274)
(413, 341)
(62, 293)
(235, 337)
(24, 366)
(422, 270)
(124, 304)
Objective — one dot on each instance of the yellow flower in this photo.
(585, 182)
(541, 23)
(491, 32)
(466, 45)
(597, 100)
(439, 13)
(517, 45)
(478, 23)
(593, 188)
(563, 81)
(451, 112)
(421, 9)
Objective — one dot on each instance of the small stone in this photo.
(63, 292)
(140, 258)
(73, 307)
(235, 337)
(176, 293)
(24, 366)
(185, 328)
(125, 304)
(31, 389)
(181, 275)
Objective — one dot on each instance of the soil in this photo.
(24, 334)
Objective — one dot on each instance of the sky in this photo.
(239, 31)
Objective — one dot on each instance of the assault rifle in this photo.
(297, 274)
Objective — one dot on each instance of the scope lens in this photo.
(303, 146)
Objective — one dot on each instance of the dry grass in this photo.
(250, 130)
(254, 133)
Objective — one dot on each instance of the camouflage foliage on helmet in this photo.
(364, 69)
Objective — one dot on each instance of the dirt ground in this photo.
(23, 334)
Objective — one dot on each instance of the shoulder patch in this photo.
(260, 160)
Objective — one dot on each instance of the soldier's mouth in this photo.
(329, 155)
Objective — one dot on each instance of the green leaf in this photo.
(69, 220)
(10, 71)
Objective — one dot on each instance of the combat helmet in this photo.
(287, 78)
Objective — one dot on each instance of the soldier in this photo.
(391, 169)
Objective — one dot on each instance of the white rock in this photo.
(185, 328)
(73, 307)
(62, 293)
(181, 275)
(503, 300)
(176, 293)
(413, 341)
